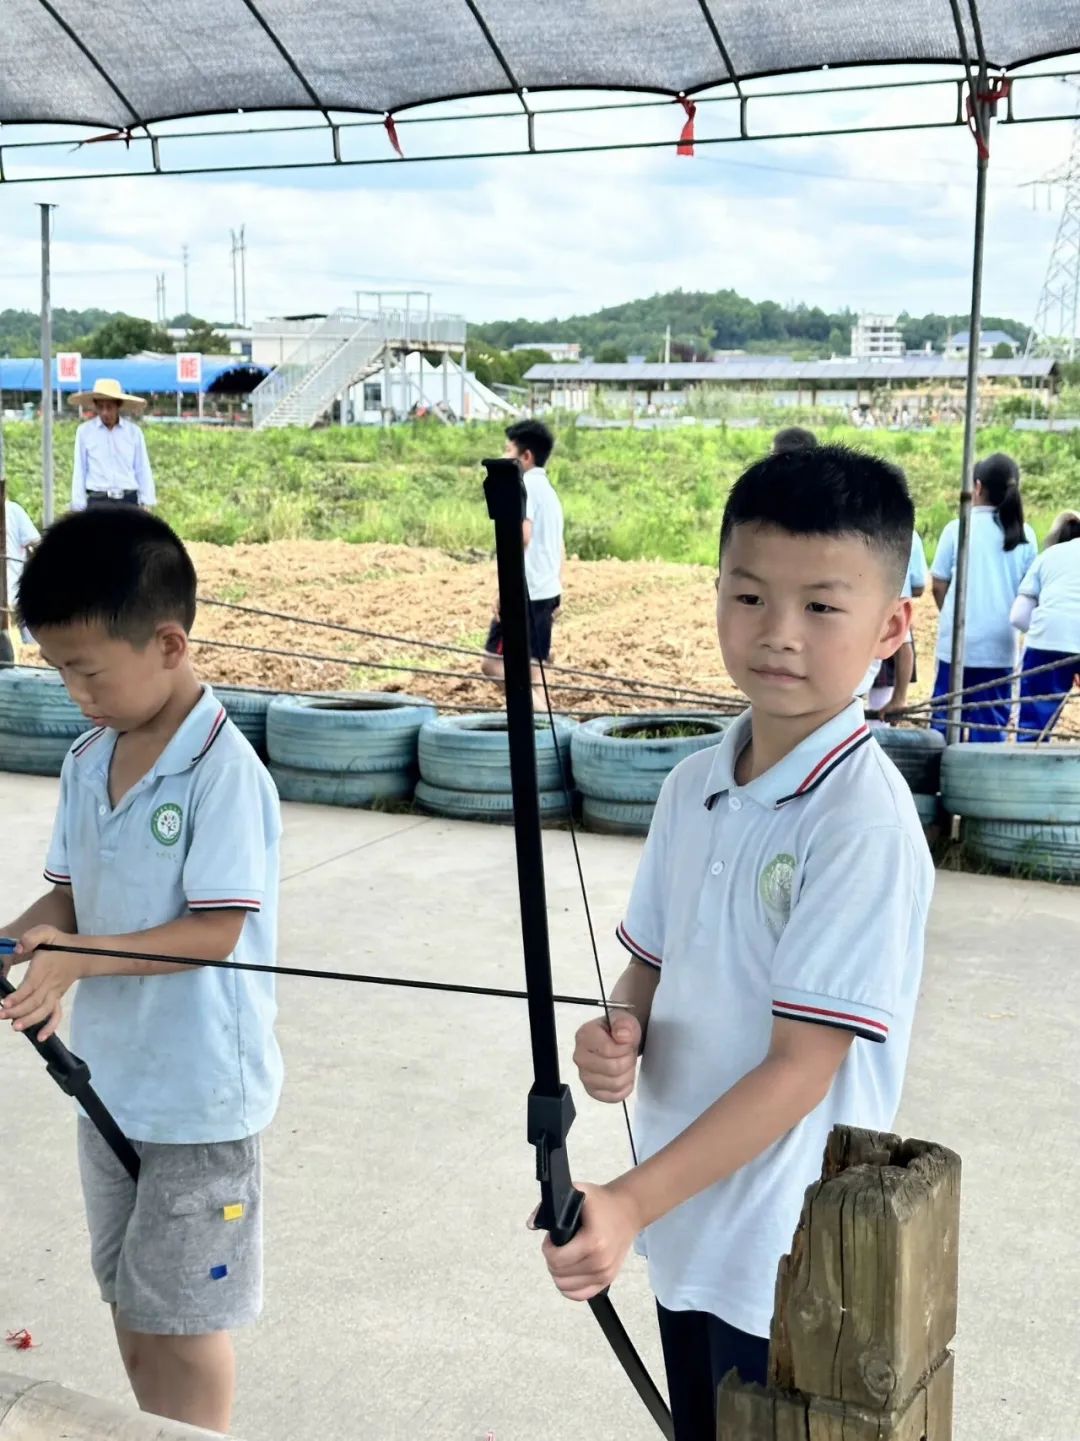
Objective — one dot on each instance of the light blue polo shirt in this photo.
(994, 576)
(188, 1057)
(802, 895)
(1054, 582)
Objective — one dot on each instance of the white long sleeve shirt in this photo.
(111, 460)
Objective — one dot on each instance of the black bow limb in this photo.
(72, 1075)
(551, 1106)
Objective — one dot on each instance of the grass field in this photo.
(627, 494)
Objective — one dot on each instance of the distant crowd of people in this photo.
(1012, 591)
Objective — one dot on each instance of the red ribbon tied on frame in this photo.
(686, 138)
(391, 130)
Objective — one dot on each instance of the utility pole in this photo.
(187, 297)
(162, 312)
(239, 269)
(46, 365)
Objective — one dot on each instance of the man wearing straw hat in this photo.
(111, 463)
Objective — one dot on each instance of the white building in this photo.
(876, 337)
(956, 347)
(559, 350)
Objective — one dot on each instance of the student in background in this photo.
(1001, 551)
(889, 692)
(530, 443)
(1048, 610)
(22, 536)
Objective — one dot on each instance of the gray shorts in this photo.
(181, 1253)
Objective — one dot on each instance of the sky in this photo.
(880, 222)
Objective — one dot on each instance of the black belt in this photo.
(112, 497)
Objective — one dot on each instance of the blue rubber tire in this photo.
(327, 788)
(471, 753)
(1037, 783)
(36, 703)
(363, 731)
(1051, 852)
(617, 818)
(916, 754)
(33, 755)
(928, 808)
(484, 805)
(609, 768)
(247, 711)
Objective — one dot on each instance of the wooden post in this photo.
(865, 1303)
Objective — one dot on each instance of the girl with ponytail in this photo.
(1002, 549)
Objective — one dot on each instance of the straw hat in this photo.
(108, 390)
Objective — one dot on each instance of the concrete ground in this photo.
(404, 1297)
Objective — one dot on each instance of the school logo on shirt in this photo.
(775, 885)
(166, 824)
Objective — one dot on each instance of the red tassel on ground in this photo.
(21, 1340)
(686, 139)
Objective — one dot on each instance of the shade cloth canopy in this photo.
(137, 61)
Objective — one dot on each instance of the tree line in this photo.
(704, 323)
(104, 334)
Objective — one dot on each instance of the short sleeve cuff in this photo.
(57, 876)
(862, 1020)
(650, 956)
(237, 898)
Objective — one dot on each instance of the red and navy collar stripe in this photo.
(828, 763)
(82, 745)
(215, 731)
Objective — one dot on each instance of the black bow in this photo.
(551, 1106)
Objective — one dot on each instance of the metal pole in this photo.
(461, 412)
(971, 400)
(5, 599)
(243, 277)
(46, 366)
(187, 298)
(235, 302)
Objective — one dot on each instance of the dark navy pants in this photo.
(1037, 716)
(699, 1351)
(986, 713)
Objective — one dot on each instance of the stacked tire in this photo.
(345, 749)
(465, 767)
(38, 721)
(1020, 806)
(247, 710)
(916, 754)
(620, 763)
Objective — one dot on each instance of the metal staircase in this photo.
(339, 353)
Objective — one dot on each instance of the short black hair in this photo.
(532, 435)
(114, 565)
(793, 437)
(828, 490)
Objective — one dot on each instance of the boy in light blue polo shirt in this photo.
(165, 842)
(775, 927)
